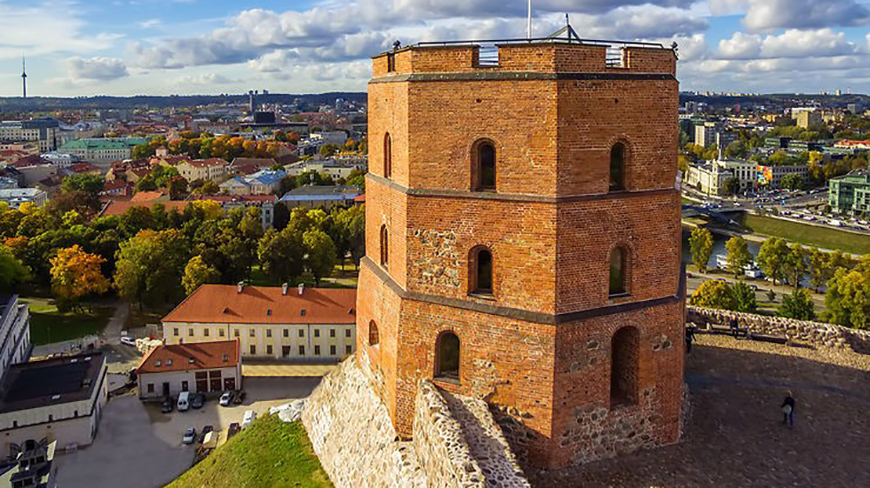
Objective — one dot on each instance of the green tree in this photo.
(701, 246)
(744, 297)
(12, 271)
(87, 183)
(732, 186)
(714, 294)
(281, 255)
(736, 149)
(792, 182)
(738, 255)
(320, 254)
(819, 268)
(150, 267)
(798, 305)
(848, 297)
(328, 150)
(795, 264)
(351, 222)
(198, 273)
(772, 257)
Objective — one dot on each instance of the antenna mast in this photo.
(529, 28)
(23, 77)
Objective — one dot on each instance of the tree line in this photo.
(847, 297)
(153, 256)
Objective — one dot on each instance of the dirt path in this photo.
(736, 438)
(112, 333)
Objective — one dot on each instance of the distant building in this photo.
(15, 197)
(850, 193)
(14, 332)
(212, 169)
(320, 196)
(59, 399)
(807, 118)
(44, 130)
(32, 466)
(262, 182)
(266, 204)
(294, 323)
(102, 150)
(335, 168)
(772, 175)
(710, 133)
(203, 367)
(711, 177)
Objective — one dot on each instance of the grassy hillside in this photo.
(269, 453)
(809, 235)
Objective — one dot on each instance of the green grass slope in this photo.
(809, 235)
(268, 454)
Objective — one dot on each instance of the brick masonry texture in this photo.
(539, 351)
(815, 333)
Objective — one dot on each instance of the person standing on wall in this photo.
(735, 329)
(690, 336)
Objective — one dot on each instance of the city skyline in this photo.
(163, 47)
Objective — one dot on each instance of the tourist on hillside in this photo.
(735, 329)
(788, 410)
(690, 336)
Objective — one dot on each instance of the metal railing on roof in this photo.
(554, 40)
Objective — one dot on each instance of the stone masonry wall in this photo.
(353, 436)
(815, 333)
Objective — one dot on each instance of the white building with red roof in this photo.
(292, 323)
(204, 367)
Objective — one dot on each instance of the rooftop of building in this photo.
(51, 381)
(266, 305)
(118, 207)
(187, 357)
(321, 192)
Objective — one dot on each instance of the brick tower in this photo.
(523, 237)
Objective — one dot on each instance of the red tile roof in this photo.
(186, 357)
(266, 305)
(147, 196)
(116, 207)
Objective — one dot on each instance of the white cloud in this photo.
(48, 27)
(95, 69)
(205, 79)
(793, 43)
(767, 15)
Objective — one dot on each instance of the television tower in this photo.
(23, 77)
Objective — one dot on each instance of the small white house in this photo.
(203, 367)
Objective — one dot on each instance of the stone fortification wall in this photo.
(353, 436)
(456, 441)
(815, 333)
(438, 441)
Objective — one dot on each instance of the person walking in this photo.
(788, 410)
(690, 336)
(735, 329)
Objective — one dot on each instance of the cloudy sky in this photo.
(129, 47)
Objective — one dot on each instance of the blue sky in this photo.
(129, 47)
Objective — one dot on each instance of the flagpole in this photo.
(529, 29)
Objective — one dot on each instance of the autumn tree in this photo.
(738, 255)
(76, 274)
(714, 294)
(198, 273)
(701, 246)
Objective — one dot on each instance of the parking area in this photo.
(137, 446)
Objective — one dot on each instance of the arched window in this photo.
(480, 271)
(385, 247)
(484, 166)
(374, 336)
(618, 263)
(447, 356)
(617, 166)
(624, 364)
(388, 156)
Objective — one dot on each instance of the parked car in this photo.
(197, 401)
(183, 401)
(189, 435)
(226, 399)
(233, 430)
(238, 397)
(205, 430)
(168, 405)
(249, 418)
(129, 341)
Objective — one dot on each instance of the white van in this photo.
(183, 401)
(249, 417)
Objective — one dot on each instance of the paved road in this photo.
(112, 333)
